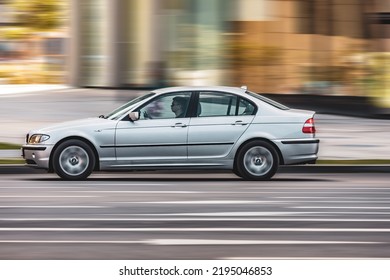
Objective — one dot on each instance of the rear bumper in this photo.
(299, 151)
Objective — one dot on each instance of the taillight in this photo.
(309, 127)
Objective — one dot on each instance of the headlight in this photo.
(38, 138)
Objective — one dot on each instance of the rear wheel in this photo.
(257, 160)
(73, 160)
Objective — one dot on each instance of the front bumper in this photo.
(37, 155)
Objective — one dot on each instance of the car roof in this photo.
(201, 88)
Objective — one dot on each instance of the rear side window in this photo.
(245, 107)
(212, 104)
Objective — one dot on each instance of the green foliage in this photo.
(9, 146)
(12, 161)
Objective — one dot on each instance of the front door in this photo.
(159, 137)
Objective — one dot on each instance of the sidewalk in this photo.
(15, 89)
(10, 154)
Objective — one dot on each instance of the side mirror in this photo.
(134, 116)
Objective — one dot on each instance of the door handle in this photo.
(179, 125)
(239, 123)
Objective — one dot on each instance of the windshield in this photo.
(268, 101)
(120, 111)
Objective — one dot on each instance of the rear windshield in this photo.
(268, 101)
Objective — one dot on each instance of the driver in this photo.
(179, 106)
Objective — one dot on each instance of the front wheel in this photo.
(73, 160)
(257, 160)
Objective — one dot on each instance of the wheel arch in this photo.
(280, 156)
(85, 140)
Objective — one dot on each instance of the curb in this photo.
(23, 169)
(19, 169)
(336, 168)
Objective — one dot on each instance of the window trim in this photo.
(191, 95)
(239, 97)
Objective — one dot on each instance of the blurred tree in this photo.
(13, 33)
(39, 15)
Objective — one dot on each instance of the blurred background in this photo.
(292, 47)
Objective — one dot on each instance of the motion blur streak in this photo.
(316, 47)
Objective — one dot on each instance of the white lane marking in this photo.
(73, 241)
(338, 207)
(174, 242)
(143, 192)
(197, 229)
(52, 206)
(97, 184)
(76, 185)
(247, 202)
(335, 201)
(48, 196)
(302, 258)
(216, 186)
(57, 188)
(269, 195)
(321, 188)
(330, 197)
(186, 219)
(235, 214)
(200, 202)
(251, 214)
(170, 242)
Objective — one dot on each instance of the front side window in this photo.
(117, 113)
(212, 104)
(167, 106)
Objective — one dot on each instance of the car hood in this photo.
(90, 123)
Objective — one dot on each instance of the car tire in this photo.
(73, 160)
(257, 160)
(235, 171)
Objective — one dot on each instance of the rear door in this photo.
(221, 119)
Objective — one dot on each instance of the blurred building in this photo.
(31, 55)
(316, 46)
(6, 19)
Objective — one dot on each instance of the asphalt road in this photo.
(195, 216)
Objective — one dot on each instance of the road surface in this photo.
(195, 216)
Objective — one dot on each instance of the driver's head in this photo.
(179, 104)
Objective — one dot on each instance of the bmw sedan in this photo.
(180, 128)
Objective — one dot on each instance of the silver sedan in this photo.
(180, 128)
